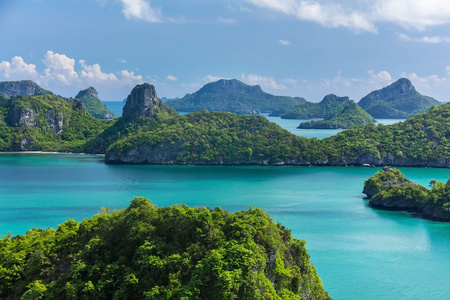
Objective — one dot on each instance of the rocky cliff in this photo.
(94, 106)
(144, 102)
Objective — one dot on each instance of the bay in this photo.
(359, 252)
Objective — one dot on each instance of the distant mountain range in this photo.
(399, 100)
(233, 96)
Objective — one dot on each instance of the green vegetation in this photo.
(22, 88)
(93, 104)
(397, 101)
(391, 189)
(205, 138)
(233, 96)
(145, 252)
(422, 141)
(345, 115)
(46, 123)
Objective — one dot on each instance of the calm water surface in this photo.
(359, 252)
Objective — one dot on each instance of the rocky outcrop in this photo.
(94, 106)
(24, 87)
(143, 102)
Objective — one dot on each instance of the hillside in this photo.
(398, 100)
(233, 96)
(23, 87)
(390, 189)
(93, 104)
(46, 123)
(146, 252)
(337, 113)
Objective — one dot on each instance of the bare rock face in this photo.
(143, 101)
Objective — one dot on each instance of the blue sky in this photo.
(290, 47)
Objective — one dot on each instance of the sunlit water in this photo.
(359, 252)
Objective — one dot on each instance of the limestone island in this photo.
(390, 189)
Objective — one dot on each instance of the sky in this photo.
(305, 48)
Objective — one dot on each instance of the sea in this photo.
(359, 252)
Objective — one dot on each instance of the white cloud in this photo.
(382, 76)
(122, 61)
(211, 78)
(417, 14)
(329, 15)
(59, 68)
(227, 21)
(264, 82)
(284, 42)
(127, 78)
(424, 39)
(171, 78)
(94, 74)
(17, 69)
(141, 10)
(290, 80)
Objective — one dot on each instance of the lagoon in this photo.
(359, 252)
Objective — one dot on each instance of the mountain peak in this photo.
(143, 101)
(23, 87)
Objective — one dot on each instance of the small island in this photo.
(146, 252)
(390, 189)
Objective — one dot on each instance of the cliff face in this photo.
(94, 106)
(24, 87)
(144, 102)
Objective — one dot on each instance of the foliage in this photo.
(93, 104)
(145, 252)
(212, 138)
(422, 140)
(399, 100)
(233, 96)
(391, 189)
(46, 123)
(345, 115)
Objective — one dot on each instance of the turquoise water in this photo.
(115, 107)
(359, 252)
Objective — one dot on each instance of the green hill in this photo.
(233, 96)
(46, 123)
(337, 112)
(398, 100)
(145, 252)
(23, 87)
(93, 104)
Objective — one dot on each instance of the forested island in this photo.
(146, 252)
(149, 132)
(400, 100)
(390, 189)
(233, 96)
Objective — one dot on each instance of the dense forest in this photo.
(400, 100)
(146, 252)
(151, 132)
(390, 189)
(46, 123)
